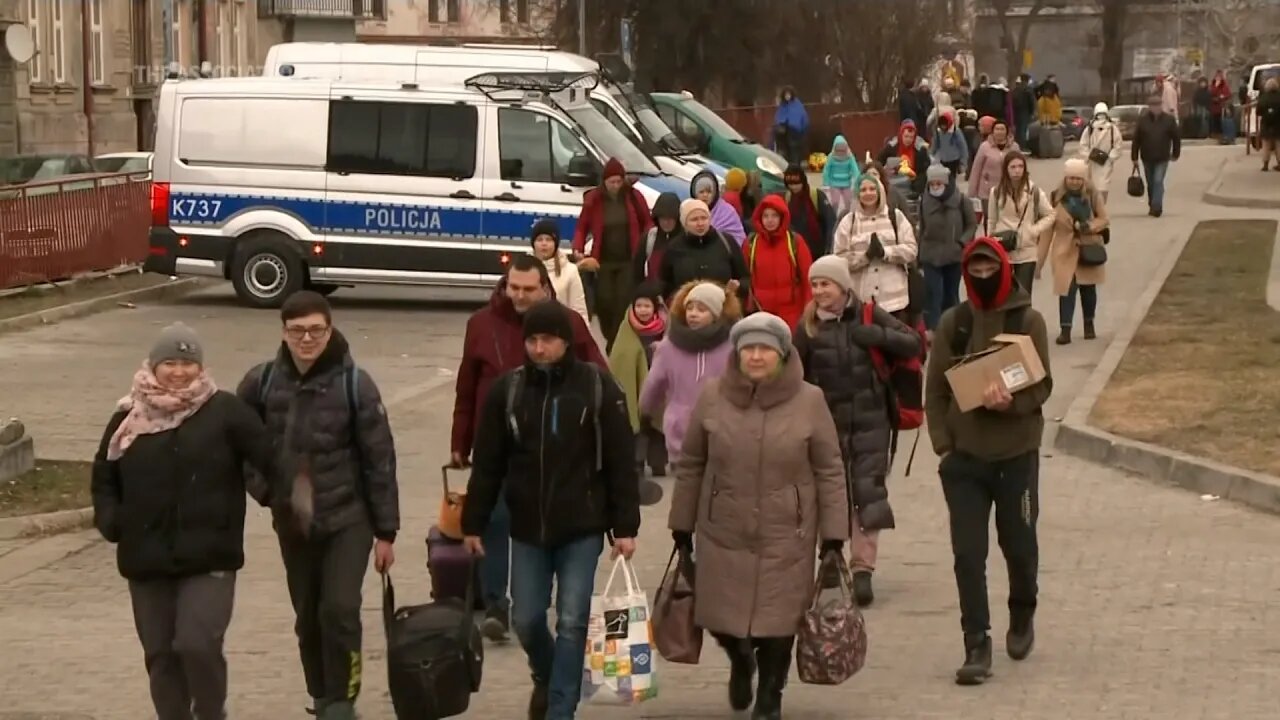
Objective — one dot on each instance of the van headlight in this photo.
(768, 166)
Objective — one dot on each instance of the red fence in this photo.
(865, 131)
(53, 231)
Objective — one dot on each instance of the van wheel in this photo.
(266, 271)
(325, 289)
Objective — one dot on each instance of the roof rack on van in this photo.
(548, 82)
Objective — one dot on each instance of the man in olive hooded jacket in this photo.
(989, 455)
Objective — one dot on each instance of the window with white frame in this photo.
(58, 43)
(175, 37)
(223, 40)
(37, 65)
(237, 38)
(97, 42)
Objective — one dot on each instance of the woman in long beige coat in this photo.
(1080, 219)
(760, 482)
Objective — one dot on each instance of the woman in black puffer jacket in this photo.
(834, 344)
(169, 491)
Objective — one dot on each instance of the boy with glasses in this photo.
(337, 490)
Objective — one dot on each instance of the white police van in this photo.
(283, 183)
(627, 111)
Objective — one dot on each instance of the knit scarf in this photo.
(657, 325)
(155, 409)
(1077, 207)
(700, 340)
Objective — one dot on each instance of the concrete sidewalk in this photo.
(1241, 183)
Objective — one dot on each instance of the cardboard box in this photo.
(1011, 360)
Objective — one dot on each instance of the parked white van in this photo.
(283, 183)
(629, 112)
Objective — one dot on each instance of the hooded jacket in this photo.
(840, 172)
(492, 345)
(678, 373)
(591, 219)
(647, 264)
(949, 145)
(986, 434)
(947, 224)
(917, 156)
(724, 217)
(779, 281)
(813, 216)
(885, 279)
(792, 115)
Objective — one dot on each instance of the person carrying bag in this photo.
(675, 631)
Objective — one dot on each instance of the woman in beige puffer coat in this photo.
(760, 481)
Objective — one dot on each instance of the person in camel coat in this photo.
(1080, 219)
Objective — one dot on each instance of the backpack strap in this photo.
(351, 385)
(515, 387)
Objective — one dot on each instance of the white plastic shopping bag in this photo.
(620, 664)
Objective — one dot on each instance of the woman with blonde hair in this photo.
(1076, 246)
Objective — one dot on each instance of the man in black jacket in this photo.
(1157, 141)
(337, 466)
(555, 438)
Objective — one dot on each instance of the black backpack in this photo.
(1013, 325)
(435, 655)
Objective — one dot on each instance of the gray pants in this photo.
(181, 623)
(325, 576)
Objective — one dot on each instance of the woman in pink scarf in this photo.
(169, 491)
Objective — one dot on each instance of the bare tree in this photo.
(1014, 39)
(1248, 29)
(1115, 16)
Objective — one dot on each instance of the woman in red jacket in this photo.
(616, 217)
(778, 260)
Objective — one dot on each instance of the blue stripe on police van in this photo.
(366, 218)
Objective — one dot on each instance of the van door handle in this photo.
(566, 188)
(506, 197)
(462, 195)
(517, 185)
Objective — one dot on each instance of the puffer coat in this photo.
(857, 397)
(351, 461)
(760, 483)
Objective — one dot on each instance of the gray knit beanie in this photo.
(177, 342)
(761, 329)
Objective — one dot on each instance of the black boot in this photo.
(1089, 333)
(977, 660)
(538, 702)
(742, 670)
(862, 592)
(1064, 337)
(497, 621)
(1022, 634)
(774, 658)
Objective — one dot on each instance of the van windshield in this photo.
(612, 142)
(713, 121)
(649, 123)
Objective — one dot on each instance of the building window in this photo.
(415, 139)
(433, 11)
(522, 12)
(97, 42)
(57, 43)
(454, 11)
(237, 40)
(222, 41)
(37, 64)
(175, 37)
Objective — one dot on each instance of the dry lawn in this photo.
(53, 485)
(37, 298)
(1203, 372)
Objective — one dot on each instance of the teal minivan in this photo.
(710, 135)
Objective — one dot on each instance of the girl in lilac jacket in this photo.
(696, 349)
(724, 217)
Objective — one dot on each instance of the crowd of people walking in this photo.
(760, 348)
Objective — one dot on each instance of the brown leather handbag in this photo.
(675, 632)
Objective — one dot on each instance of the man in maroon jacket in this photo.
(493, 345)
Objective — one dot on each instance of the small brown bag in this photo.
(675, 632)
(450, 520)
(831, 646)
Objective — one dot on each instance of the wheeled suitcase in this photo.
(1051, 141)
(1229, 129)
(451, 568)
(435, 656)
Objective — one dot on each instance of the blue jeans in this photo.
(496, 563)
(555, 662)
(1155, 173)
(942, 287)
(1067, 303)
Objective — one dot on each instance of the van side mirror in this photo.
(584, 171)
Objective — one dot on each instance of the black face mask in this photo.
(985, 288)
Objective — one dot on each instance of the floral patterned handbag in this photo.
(831, 646)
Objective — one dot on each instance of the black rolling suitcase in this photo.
(435, 655)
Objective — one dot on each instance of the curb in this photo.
(1214, 196)
(166, 291)
(1076, 437)
(25, 526)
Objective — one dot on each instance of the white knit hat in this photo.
(709, 295)
(1075, 167)
(689, 207)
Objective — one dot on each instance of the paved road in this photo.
(1155, 604)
